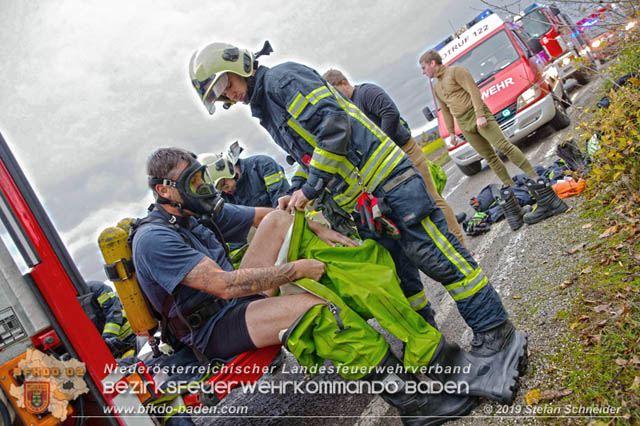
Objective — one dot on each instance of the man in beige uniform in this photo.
(380, 108)
(459, 96)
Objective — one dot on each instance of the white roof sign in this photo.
(470, 37)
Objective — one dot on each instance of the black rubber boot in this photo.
(418, 408)
(510, 207)
(494, 377)
(548, 203)
(488, 343)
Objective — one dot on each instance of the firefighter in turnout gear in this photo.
(342, 150)
(255, 181)
(111, 319)
(339, 148)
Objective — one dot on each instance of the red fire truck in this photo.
(515, 83)
(559, 38)
(604, 28)
(44, 303)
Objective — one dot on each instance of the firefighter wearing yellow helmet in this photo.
(341, 150)
(209, 67)
(254, 181)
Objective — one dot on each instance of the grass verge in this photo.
(600, 362)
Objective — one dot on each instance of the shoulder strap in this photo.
(165, 331)
(137, 223)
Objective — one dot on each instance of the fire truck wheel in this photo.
(470, 169)
(561, 119)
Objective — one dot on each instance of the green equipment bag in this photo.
(438, 175)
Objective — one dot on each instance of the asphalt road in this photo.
(497, 251)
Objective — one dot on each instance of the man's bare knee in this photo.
(267, 317)
(276, 223)
(277, 219)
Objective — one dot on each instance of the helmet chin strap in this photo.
(251, 84)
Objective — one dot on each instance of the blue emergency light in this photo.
(470, 24)
(478, 18)
(531, 8)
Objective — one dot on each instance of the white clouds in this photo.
(86, 232)
(90, 88)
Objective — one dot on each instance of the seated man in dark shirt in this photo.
(183, 268)
(198, 272)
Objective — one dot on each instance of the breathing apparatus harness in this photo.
(206, 203)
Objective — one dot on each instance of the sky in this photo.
(88, 89)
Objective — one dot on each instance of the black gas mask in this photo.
(196, 188)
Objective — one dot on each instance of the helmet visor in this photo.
(214, 91)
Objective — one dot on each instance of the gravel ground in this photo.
(530, 290)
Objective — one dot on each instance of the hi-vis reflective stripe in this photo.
(355, 112)
(333, 163)
(446, 248)
(297, 106)
(377, 168)
(302, 132)
(418, 300)
(111, 327)
(467, 287)
(301, 173)
(105, 296)
(317, 94)
(125, 330)
(300, 102)
(383, 170)
(271, 179)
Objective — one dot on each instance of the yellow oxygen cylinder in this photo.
(117, 255)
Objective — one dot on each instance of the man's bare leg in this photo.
(265, 318)
(265, 246)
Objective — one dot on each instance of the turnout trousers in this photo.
(430, 246)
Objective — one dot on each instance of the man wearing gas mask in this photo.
(220, 312)
(183, 268)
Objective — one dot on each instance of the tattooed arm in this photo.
(208, 277)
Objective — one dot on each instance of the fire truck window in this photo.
(522, 44)
(489, 57)
(535, 24)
